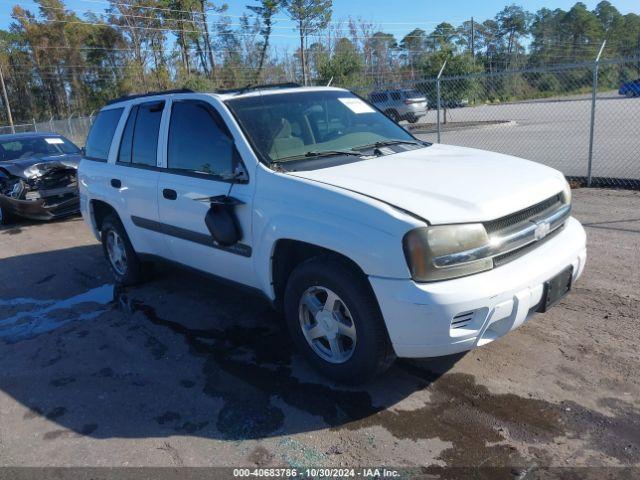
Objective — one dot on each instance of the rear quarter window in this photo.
(101, 134)
(144, 148)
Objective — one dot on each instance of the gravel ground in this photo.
(184, 371)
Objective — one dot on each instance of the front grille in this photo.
(522, 215)
(513, 235)
(517, 253)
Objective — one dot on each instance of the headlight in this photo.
(566, 193)
(446, 251)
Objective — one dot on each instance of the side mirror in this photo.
(83, 151)
(221, 220)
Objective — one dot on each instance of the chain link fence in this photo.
(582, 119)
(75, 128)
(544, 115)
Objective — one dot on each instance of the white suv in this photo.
(374, 244)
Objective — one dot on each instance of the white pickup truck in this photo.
(373, 243)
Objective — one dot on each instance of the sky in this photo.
(401, 16)
(392, 16)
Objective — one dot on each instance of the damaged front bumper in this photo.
(42, 209)
(51, 192)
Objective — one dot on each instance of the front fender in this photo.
(366, 231)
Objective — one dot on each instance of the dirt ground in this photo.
(184, 371)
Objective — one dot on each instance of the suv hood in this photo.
(447, 184)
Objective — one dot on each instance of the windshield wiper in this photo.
(387, 143)
(321, 153)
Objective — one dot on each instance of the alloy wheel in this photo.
(327, 324)
(116, 252)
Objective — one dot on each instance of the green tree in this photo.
(445, 36)
(414, 45)
(490, 43)
(464, 85)
(546, 35)
(309, 16)
(344, 66)
(514, 23)
(607, 15)
(265, 10)
(582, 31)
(382, 46)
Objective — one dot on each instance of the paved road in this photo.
(185, 371)
(556, 133)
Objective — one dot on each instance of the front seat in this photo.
(284, 142)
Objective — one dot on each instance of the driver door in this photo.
(200, 160)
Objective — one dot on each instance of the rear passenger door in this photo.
(200, 160)
(135, 176)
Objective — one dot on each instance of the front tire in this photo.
(121, 257)
(335, 322)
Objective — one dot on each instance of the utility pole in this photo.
(473, 40)
(6, 102)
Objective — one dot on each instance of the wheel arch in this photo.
(288, 253)
(99, 210)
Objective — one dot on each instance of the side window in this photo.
(144, 148)
(124, 154)
(197, 140)
(101, 134)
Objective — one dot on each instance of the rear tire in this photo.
(351, 325)
(123, 261)
(412, 119)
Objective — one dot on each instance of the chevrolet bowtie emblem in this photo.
(542, 230)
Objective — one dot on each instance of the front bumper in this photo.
(486, 306)
(40, 209)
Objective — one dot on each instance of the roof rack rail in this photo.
(249, 88)
(149, 94)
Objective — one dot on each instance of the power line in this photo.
(217, 13)
(173, 30)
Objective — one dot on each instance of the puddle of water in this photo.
(41, 316)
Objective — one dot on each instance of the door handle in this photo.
(115, 183)
(169, 194)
